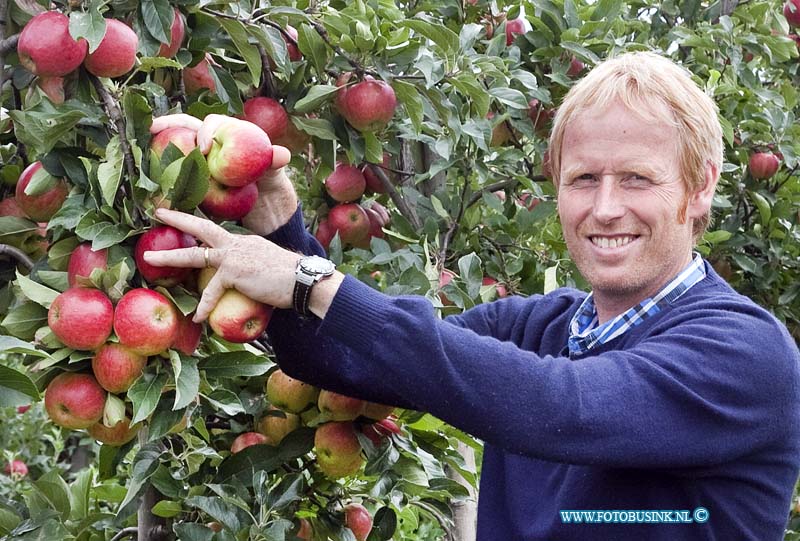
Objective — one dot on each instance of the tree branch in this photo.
(112, 110)
(399, 201)
(126, 532)
(8, 44)
(17, 254)
(3, 51)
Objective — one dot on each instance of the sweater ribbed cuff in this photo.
(356, 315)
(292, 234)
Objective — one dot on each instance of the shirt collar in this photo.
(586, 333)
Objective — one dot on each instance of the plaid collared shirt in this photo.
(585, 333)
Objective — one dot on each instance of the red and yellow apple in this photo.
(145, 321)
(290, 394)
(74, 400)
(46, 47)
(83, 261)
(81, 318)
(116, 54)
(116, 367)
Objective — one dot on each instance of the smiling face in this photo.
(623, 205)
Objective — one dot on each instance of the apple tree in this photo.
(419, 136)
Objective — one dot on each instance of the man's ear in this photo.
(700, 201)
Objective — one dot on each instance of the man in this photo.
(661, 390)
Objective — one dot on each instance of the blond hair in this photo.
(638, 80)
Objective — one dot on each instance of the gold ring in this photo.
(205, 255)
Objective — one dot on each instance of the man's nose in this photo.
(609, 201)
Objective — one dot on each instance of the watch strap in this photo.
(300, 298)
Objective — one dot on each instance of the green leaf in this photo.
(36, 292)
(59, 253)
(89, 25)
(144, 465)
(109, 172)
(227, 91)
(443, 37)
(187, 379)
(235, 364)
(467, 84)
(191, 183)
(318, 127)
(167, 509)
(41, 131)
(409, 96)
(374, 148)
(15, 387)
(266, 458)
(157, 16)
(606, 10)
(316, 96)
(509, 96)
(272, 42)
(550, 279)
(145, 394)
(80, 489)
(217, 508)
(312, 46)
(763, 206)
(225, 400)
(40, 182)
(25, 319)
(715, 237)
(151, 63)
(238, 33)
(55, 490)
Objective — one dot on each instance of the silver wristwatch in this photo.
(310, 270)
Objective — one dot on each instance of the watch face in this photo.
(317, 265)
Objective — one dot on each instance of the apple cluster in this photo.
(47, 49)
(355, 223)
(144, 322)
(338, 420)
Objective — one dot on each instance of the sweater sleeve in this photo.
(696, 392)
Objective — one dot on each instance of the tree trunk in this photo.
(465, 512)
(151, 527)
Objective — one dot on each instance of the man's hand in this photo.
(249, 263)
(277, 199)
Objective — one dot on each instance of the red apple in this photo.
(53, 88)
(74, 400)
(358, 519)
(375, 223)
(23, 409)
(188, 336)
(42, 206)
(325, 233)
(240, 154)
(247, 439)
(183, 138)
(114, 436)
(514, 27)
(199, 77)
(162, 237)
(500, 132)
(10, 207)
(276, 427)
(145, 321)
(338, 450)
(238, 318)
(229, 203)
(764, 165)
(368, 105)
(539, 115)
(16, 467)
(351, 221)
(116, 367)
(791, 10)
(376, 411)
(527, 200)
(46, 47)
(346, 183)
(83, 261)
(81, 318)
(339, 407)
(575, 67)
(294, 53)
(499, 288)
(290, 394)
(267, 114)
(176, 34)
(116, 54)
(445, 277)
(295, 140)
(374, 184)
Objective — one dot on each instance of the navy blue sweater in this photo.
(698, 406)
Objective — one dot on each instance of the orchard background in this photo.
(466, 190)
